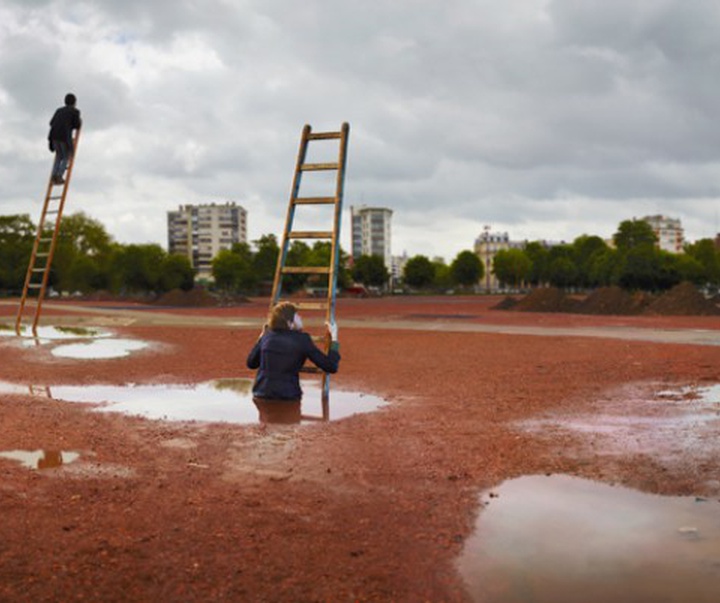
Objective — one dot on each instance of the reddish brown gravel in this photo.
(374, 507)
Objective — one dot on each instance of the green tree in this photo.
(176, 273)
(512, 266)
(562, 270)
(634, 233)
(584, 248)
(466, 269)
(442, 280)
(136, 268)
(603, 268)
(370, 270)
(226, 269)
(17, 233)
(266, 257)
(705, 252)
(539, 258)
(83, 241)
(419, 272)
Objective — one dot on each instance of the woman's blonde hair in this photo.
(281, 315)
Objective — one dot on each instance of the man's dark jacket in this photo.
(279, 355)
(63, 122)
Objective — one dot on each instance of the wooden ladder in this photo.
(326, 307)
(36, 278)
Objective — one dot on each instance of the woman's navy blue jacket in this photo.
(279, 356)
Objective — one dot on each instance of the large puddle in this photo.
(76, 342)
(222, 400)
(563, 539)
(665, 424)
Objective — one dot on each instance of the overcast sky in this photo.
(545, 119)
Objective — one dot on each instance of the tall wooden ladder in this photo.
(36, 278)
(326, 307)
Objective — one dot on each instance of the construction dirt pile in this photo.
(683, 300)
(195, 298)
(613, 300)
(546, 299)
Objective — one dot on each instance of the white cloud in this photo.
(543, 118)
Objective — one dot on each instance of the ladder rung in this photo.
(316, 167)
(42, 255)
(44, 240)
(314, 200)
(324, 135)
(310, 234)
(310, 305)
(51, 211)
(54, 197)
(306, 270)
(38, 269)
(34, 285)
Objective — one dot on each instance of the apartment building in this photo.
(371, 232)
(486, 247)
(669, 232)
(201, 231)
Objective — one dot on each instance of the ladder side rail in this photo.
(335, 255)
(33, 255)
(335, 249)
(56, 231)
(282, 255)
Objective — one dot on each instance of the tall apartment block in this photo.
(201, 231)
(669, 232)
(371, 232)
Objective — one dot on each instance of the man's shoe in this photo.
(58, 180)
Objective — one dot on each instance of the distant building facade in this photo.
(486, 247)
(669, 232)
(201, 231)
(371, 232)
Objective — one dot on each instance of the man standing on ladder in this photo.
(60, 139)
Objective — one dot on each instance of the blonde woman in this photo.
(280, 352)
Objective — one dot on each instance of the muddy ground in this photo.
(374, 507)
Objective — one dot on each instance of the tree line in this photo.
(87, 259)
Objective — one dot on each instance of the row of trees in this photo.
(634, 262)
(87, 259)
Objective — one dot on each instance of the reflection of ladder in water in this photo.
(43, 249)
(326, 306)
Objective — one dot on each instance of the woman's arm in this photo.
(253, 359)
(327, 362)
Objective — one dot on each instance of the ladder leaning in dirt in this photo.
(326, 307)
(36, 278)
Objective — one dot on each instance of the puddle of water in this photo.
(664, 425)
(52, 333)
(563, 539)
(222, 400)
(40, 459)
(98, 349)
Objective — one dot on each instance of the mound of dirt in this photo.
(683, 300)
(612, 300)
(546, 299)
(506, 304)
(197, 297)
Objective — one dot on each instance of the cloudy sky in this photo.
(546, 119)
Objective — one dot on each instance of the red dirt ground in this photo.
(374, 507)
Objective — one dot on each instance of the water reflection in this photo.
(221, 400)
(40, 459)
(563, 539)
(97, 349)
